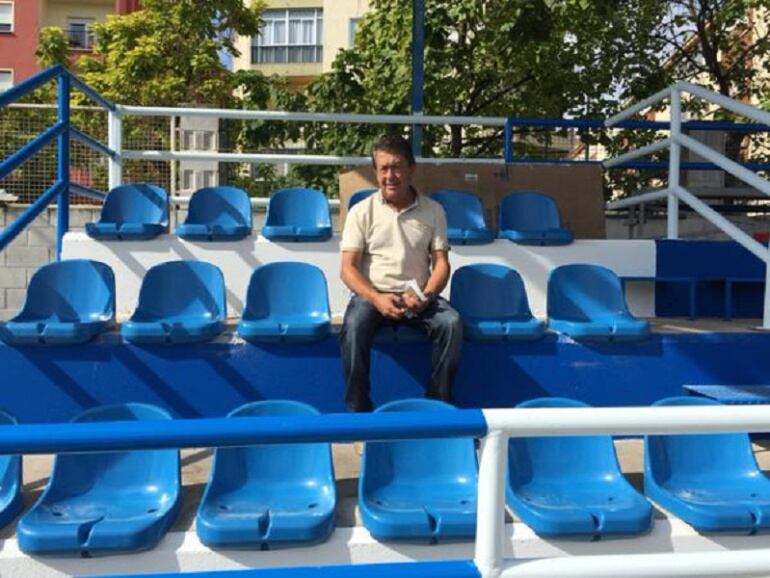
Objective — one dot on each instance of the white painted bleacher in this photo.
(131, 259)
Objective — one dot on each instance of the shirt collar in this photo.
(414, 205)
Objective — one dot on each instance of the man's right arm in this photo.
(389, 304)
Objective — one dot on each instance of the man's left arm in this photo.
(439, 275)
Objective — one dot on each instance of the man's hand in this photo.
(413, 303)
(390, 305)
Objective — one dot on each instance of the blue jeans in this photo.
(439, 321)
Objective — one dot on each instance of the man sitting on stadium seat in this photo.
(394, 238)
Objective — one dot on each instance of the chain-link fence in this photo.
(21, 123)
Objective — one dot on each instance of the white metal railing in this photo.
(674, 192)
(115, 134)
(503, 424)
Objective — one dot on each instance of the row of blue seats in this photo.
(184, 302)
(136, 212)
(526, 218)
(425, 490)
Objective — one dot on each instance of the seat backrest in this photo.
(698, 456)
(137, 203)
(419, 462)
(562, 459)
(299, 207)
(220, 206)
(489, 291)
(76, 290)
(463, 210)
(287, 289)
(528, 211)
(195, 288)
(273, 464)
(359, 196)
(143, 471)
(584, 292)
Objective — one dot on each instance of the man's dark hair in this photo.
(394, 144)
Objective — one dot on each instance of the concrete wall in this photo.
(337, 17)
(35, 246)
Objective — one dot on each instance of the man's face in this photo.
(394, 175)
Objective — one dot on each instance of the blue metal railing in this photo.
(63, 133)
(442, 569)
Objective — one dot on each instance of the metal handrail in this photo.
(675, 192)
(63, 133)
(494, 426)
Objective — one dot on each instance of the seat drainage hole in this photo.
(378, 502)
(152, 510)
(224, 507)
(311, 506)
(57, 514)
(753, 495)
(611, 499)
(464, 502)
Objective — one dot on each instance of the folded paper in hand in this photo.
(412, 289)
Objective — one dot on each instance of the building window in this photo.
(352, 29)
(188, 180)
(209, 178)
(6, 80)
(198, 140)
(79, 33)
(289, 36)
(6, 16)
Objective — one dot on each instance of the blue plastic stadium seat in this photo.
(132, 212)
(587, 302)
(492, 302)
(572, 486)
(67, 302)
(298, 215)
(269, 495)
(532, 219)
(421, 490)
(711, 481)
(465, 217)
(179, 302)
(217, 214)
(106, 503)
(10, 480)
(359, 196)
(286, 301)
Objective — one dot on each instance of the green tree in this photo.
(490, 58)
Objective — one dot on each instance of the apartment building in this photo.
(21, 21)
(301, 38)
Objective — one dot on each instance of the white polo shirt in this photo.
(395, 246)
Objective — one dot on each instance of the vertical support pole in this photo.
(674, 164)
(418, 71)
(63, 164)
(508, 148)
(115, 143)
(766, 306)
(490, 519)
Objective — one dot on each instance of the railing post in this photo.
(674, 163)
(766, 306)
(508, 148)
(418, 71)
(115, 142)
(63, 163)
(490, 517)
